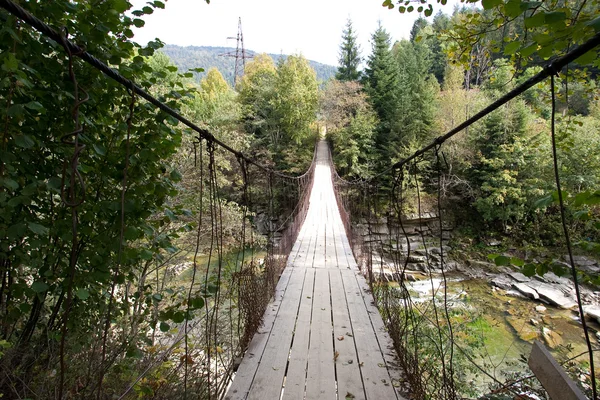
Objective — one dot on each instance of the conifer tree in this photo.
(381, 85)
(349, 56)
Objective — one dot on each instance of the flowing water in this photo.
(504, 324)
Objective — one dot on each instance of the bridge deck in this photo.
(322, 337)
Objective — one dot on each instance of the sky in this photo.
(312, 28)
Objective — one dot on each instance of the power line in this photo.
(239, 54)
(78, 51)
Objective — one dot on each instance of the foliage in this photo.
(349, 58)
(207, 57)
(529, 29)
(280, 104)
(380, 80)
(350, 122)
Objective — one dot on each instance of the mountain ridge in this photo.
(206, 57)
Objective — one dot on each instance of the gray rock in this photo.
(552, 294)
(519, 277)
(481, 264)
(451, 266)
(502, 282)
(540, 309)
(580, 261)
(592, 311)
(416, 259)
(436, 250)
(526, 290)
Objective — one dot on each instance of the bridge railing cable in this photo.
(81, 53)
(192, 307)
(384, 239)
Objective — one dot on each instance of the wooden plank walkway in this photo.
(322, 337)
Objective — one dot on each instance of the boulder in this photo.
(416, 259)
(540, 309)
(437, 250)
(552, 294)
(552, 339)
(502, 282)
(526, 290)
(592, 311)
(580, 261)
(519, 277)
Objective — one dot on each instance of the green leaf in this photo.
(535, 20)
(489, 4)
(9, 184)
(178, 317)
(543, 202)
(595, 23)
(513, 8)
(39, 287)
(170, 214)
(517, 262)
(37, 228)
(197, 302)
(529, 50)
(554, 17)
(587, 58)
(541, 269)
(581, 215)
(11, 64)
(24, 141)
(511, 48)
(146, 254)
(157, 296)
(502, 260)
(138, 22)
(528, 270)
(164, 327)
(99, 149)
(82, 294)
(34, 105)
(121, 6)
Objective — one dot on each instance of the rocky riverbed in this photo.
(507, 308)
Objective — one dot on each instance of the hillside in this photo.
(207, 57)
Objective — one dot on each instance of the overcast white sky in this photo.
(310, 27)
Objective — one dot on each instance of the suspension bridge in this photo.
(322, 336)
(311, 328)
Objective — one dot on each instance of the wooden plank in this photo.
(552, 376)
(377, 380)
(247, 369)
(268, 380)
(320, 372)
(386, 344)
(295, 381)
(349, 378)
(323, 298)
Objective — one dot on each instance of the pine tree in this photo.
(381, 85)
(349, 56)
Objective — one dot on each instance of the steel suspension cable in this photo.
(80, 52)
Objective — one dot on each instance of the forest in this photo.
(138, 254)
(207, 57)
